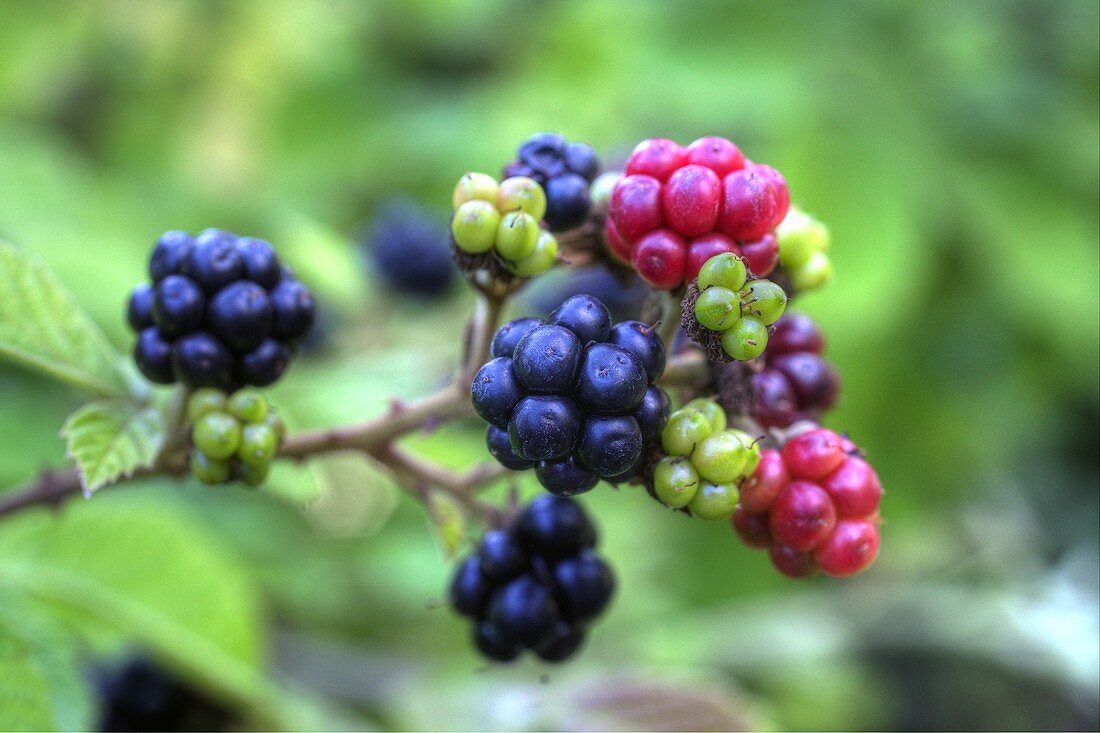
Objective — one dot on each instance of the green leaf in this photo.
(40, 682)
(110, 439)
(42, 327)
(139, 567)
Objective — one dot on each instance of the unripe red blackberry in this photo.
(689, 196)
(810, 520)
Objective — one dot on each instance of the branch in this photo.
(374, 438)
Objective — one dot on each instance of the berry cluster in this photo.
(705, 461)
(677, 207)
(733, 309)
(503, 219)
(235, 436)
(535, 586)
(221, 312)
(573, 397)
(797, 383)
(564, 170)
(814, 505)
(138, 695)
(408, 250)
(803, 241)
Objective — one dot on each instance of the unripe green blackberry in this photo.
(235, 437)
(705, 461)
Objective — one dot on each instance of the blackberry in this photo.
(534, 585)
(585, 316)
(234, 437)
(138, 695)
(576, 395)
(409, 250)
(221, 312)
(797, 382)
(565, 172)
(509, 335)
(814, 505)
(675, 207)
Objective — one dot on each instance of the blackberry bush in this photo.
(221, 312)
(573, 397)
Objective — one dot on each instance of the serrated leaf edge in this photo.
(89, 488)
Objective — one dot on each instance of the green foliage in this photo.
(949, 147)
(42, 327)
(110, 439)
(41, 682)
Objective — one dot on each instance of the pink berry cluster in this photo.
(677, 207)
(814, 505)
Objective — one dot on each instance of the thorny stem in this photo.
(374, 438)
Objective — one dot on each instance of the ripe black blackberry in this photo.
(409, 249)
(535, 585)
(221, 312)
(565, 171)
(575, 396)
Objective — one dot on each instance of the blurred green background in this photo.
(951, 147)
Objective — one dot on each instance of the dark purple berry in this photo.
(611, 380)
(261, 265)
(264, 364)
(641, 340)
(813, 379)
(774, 401)
(652, 413)
(544, 153)
(500, 448)
(544, 428)
(169, 254)
(409, 249)
(585, 316)
(294, 309)
(153, 356)
(585, 585)
(178, 305)
(610, 445)
(469, 588)
(555, 527)
(492, 645)
(562, 644)
(214, 261)
(524, 611)
(139, 311)
(565, 477)
(508, 335)
(581, 159)
(567, 201)
(546, 359)
(495, 392)
(200, 360)
(501, 556)
(240, 314)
